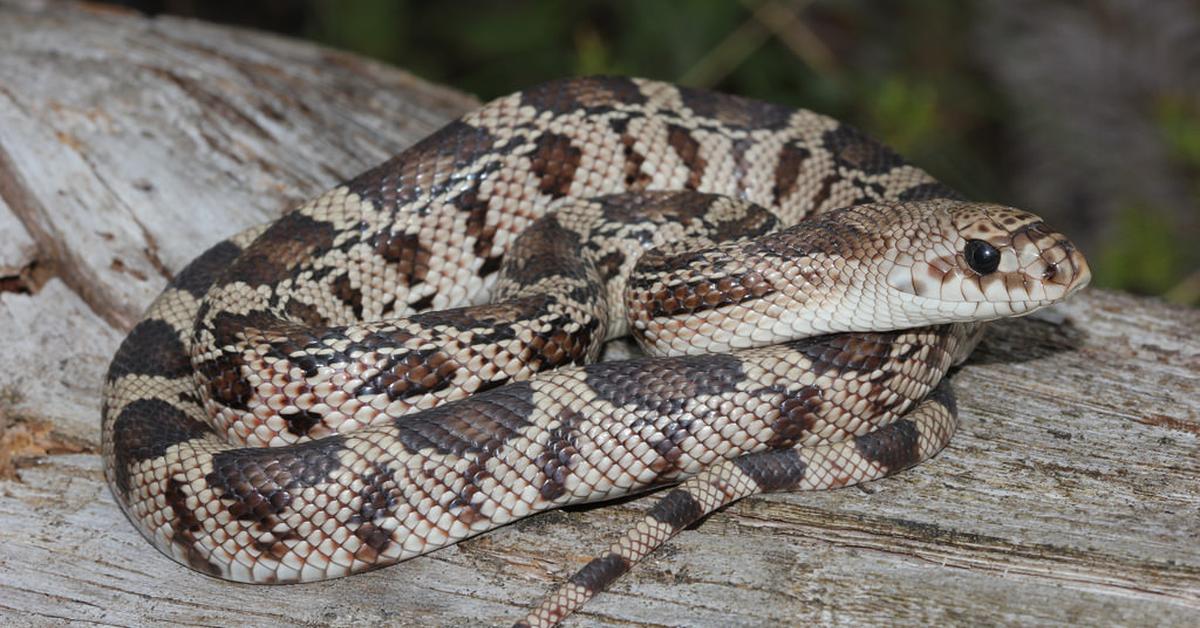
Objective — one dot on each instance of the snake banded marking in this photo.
(406, 360)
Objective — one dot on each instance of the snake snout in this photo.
(1071, 272)
(1050, 259)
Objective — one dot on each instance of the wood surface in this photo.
(1071, 494)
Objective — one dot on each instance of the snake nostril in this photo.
(1050, 273)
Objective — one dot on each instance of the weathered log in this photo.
(127, 145)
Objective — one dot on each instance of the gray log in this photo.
(127, 145)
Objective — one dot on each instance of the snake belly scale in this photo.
(405, 361)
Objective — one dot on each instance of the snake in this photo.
(409, 359)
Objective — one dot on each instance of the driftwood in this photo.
(127, 145)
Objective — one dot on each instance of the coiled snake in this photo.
(386, 338)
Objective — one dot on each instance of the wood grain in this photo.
(1070, 496)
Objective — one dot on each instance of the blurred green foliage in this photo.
(1145, 255)
(1157, 252)
(903, 71)
(1178, 118)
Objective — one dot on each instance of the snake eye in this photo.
(982, 257)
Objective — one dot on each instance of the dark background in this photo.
(1087, 113)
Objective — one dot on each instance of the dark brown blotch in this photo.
(223, 379)
(257, 484)
(479, 424)
(601, 572)
(776, 470)
(635, 177)
(894, 447)
(464, 505)
(301, 422)
(755, 221)
(943, 395)
(832, 234)
(184, 527)
(144, 430)
(554, 161)
(379, 493)
(788, 169)
(544, 249)
(797, 415)
(477, 209)
(568, 342)
(375, 540)
(664, 385)
(198, 276)
(567, 95)
(152, 347)
(431, 166)
(228, 328)
(839, 353)
(735, 111)
(348, 293)
(687, 148)
(610, 264)
(289, 243)
(285, 340)
(678, 509)
(378, 497)
(559, 455)
(656, 207)
(852, 148)
(406, 252)
(299, 312)
(420, 305)
(824, 191)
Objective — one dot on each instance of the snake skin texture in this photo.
(407, 360)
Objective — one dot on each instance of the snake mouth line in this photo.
(1082, 272)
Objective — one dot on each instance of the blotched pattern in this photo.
(396, 335)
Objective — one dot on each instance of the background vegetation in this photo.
(1086, 113)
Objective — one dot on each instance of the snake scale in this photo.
(407, 360)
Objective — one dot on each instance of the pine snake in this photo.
(406, 360)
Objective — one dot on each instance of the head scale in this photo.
(976, 261)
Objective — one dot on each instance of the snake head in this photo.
(984, 261)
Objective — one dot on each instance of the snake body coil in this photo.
(388, 340)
